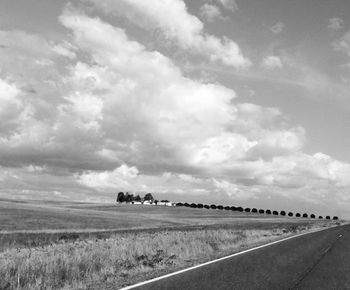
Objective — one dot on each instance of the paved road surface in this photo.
(319, 260)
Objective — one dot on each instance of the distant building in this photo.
(147, 202)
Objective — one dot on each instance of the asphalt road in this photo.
(319, 260)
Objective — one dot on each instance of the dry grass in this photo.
(125, 258)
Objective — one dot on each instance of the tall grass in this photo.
(120, 259)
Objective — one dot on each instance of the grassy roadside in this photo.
(127, 258)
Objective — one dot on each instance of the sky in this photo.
(240, 102)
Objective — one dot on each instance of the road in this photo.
(319, 260)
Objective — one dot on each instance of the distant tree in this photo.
(268, 211)
(328, 217)
(227, 208)
(121, 197)
(186, 204)
(156, 201)
(283, 213)
(233, 208)
(129, 197)
(247, 209)
(213, 206)
(305, 215)
(298, 215)
(164, 200)
(239, 208)
(254, 210)
(335, 218)
(137, 198)
(200, 205)
(193, 205)
(320, 217)
(312, 216)
(290, 214)
(275, 212)
(149, 197)
(207, 206)
(220, 207)
(261, 211)
(179, 204)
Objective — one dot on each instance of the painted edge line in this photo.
(218, 260)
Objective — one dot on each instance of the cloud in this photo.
(272, 62)
(277, 28)
(210, 12)
(336, 23)
(230, 5)
(342, 44)
(173, 20)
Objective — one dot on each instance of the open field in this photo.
(48, 245)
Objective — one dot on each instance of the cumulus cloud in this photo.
(210, 12)
(277, 28)
(272, 62)
(177, 24)
(336, 23)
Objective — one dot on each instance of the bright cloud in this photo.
(272, 62)
(210, 12)
(336, 23)
(172, 18)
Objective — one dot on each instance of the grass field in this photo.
(55, 245)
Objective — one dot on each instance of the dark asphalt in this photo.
(319, 260)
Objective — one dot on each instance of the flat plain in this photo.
(67, 245)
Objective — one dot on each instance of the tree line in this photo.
(254, 210)
(129, 197)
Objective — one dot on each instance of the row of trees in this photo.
(252, 210)
(127, 197)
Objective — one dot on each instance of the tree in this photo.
(261, 211)
(233, 208)
(320, 217)
(275, 212)
(193, 205)
(283, 213)
(335, 218)
(254, 210)
(220, 207)
(186, 204)
(328, 217)
(240, 209)
(227, 208)
(156, 201)
(247, 209)
(129, 197)
(206, 206)
(213, 206)
(179, 204)
(137, 198)
(290, 214)
(199, 205)
(268, 211)
(298, 215)
(149, 197)
(312, 216)
(121, 197)
(305, 215)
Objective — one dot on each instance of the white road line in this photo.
(217, 260)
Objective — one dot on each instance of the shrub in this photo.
(187, 204)
(328, 217)
(275, 212)
(283, 213)
(227, 208)
(179, 204)
(312, 216)
(233, 208)
(207, 206)
(290, 214)
(121, 197)
(335, 218)
(199, 205)
(268, 211)
(305, 215)
(254, 210)
(213, 206)
(239, 208)
(220, 207)
(193, 205)
(261, 211)
(298, 215)
(320, 217)
(247, 209)
(149, 197)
